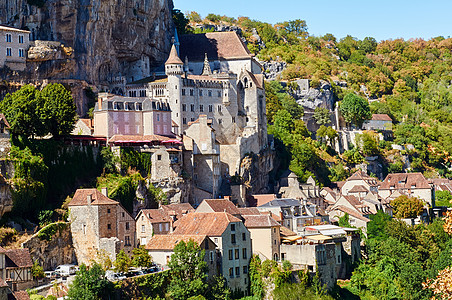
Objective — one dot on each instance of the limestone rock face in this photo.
(108, 37)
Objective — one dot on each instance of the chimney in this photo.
(89, 199)
(105, 191)
(99, 102)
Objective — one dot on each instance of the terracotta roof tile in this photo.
(21, 295)
(2, 117)
(210, 224)
(173, 57)
(249, 211)
(18, 258)
(169, 241)
(261, 221)
(117, 138)
(286, 231)
(404, 181)
(88, 122)
(180, 209)
(81, 196)
(155, 215)
(358, 188)
(381, 117)
(222, 205)
(352, 213)
(217, 45)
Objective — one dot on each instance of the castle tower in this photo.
(174, 68)
(206, 69)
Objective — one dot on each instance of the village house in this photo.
(231, 238)
(381, 122)
(218, 205)
(265, 237)
(410, 184)
(14, 44)
(15, 268)
(83, 127)
(99, 224)
(357, 210)
(161, 247)
(360, 181)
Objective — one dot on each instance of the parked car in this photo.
(112, 276)
(66, 270)
(51, 274)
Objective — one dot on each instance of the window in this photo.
(184, 107)
(244, 236)
(127, 226)
(233, 119)
(8, 38)
(158, 117)
(108, 226)
(245, 269)
(123, 214)
(184, 120)
(159, 157)
(211, 256)
(21, 53)
(210, 108)
(237, 271)
(233, 238)
(192, 119)
(220, 121)
(192, 107)
(200, 93)
(209, 93)
(201, 108)
(237, 254)
(8, 52)
(191, 92)
(219, 93)
(274, 230)
(21, 39)
(219, 108)
(108, 211)
(244, 253)
(321, 255)
(143, 228)
(183, 92)
(215, 240)
(231, 272)
(232, 227)
(127, 241)
(230, 254)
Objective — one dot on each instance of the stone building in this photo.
(265, 237)
(410, 184)
(14, 44)
(378, 122)
(150, 222)
(99, 224)
(231, 238)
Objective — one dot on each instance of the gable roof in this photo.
(210, 224)
(249, 211)
(283, 202)
(155, 215)
(169, 241)
(179, 209)
(81, 196)
(358, 189)
(217, 45)
(259, 221)
(381, 117)
(352, 213)
(404, 181)
(18, 258)
(3, 118)
(222, 205)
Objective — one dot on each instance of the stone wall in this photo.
(50, 254)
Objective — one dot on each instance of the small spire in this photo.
(206, 70)
(173, 57)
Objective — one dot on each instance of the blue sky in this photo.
(383, 19)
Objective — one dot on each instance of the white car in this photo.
(66, 270)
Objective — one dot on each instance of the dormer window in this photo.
(138, 106)
(115, 105)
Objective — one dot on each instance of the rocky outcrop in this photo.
(50, 254)
(312, 98)
(47, 50)
(273, 69)
(108, 37)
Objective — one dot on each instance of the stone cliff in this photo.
(107, 37)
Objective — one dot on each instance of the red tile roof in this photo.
(210, 224)
(216, 45)
(119, 138)
(173, 57)
(381, 117)
(180, 209)
(261, 221)
(404, 181)
(358, 188)
(169, 241)
(2, 117)
(81, 198)
(222, 205)
(249, 211)
(352, 213)
(88, 122)
(155, 215)
(18, 258)
(21, 295)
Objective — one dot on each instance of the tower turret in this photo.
(174, 65)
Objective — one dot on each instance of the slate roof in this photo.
(222, 205)
(169, 241)
(18, 258)
(260, 221)
(404, 181)
(210, 224)
(283, 202)
(217, 45)
(81, 195)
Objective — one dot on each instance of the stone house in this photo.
(362, 179)
(161, 247)
(99, 224)
(150, 222)
(410, 184)
(358, 211)
(83, 127)
(218, 205)
(265, 236)
(231, 238)
(14, 44)
(15, 268)
(378, 122)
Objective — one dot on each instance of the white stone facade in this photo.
(14, 44)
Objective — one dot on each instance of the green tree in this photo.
(355, 109)
(122, 262)
(368, 144)
(443, 198)
(180, 21)
(141, 258)
(188, 271)
(90, 284)
(322, 115)
(193, 16)
(23, 110)
(407, 207)
(344, 221)
(58, 111)
(218, 289)
(37, 270)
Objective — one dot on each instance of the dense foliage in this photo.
(90, 284)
